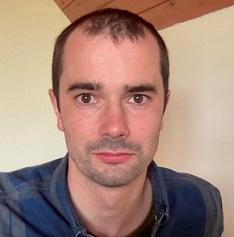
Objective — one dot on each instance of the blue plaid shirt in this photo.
(35, 202)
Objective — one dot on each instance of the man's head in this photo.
(117, 24)
(110, 95)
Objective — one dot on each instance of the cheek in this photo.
(77, 134)
(146, 130)
(79, 125)
(146, 123)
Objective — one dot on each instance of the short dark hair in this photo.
(119, 25)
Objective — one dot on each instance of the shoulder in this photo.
(34, 200)
(180, 182)
(27, 178)
(174, 178)
(193, 198)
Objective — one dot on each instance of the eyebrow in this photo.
(84, 86)
(141, 88)
(97, 86)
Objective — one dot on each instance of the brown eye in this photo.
(138, 99)
(86, 98)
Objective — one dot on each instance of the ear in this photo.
(166, 100)
(57, 112)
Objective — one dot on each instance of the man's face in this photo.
(111, 106)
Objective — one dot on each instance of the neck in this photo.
(109, 211)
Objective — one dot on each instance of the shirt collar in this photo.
(159, 192)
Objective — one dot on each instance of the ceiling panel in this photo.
(63, 3)
(172, 12)
(81, 7)
(136, 6)
(162, 13)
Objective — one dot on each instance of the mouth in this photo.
(114, 157)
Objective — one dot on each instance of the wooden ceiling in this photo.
(162, 13)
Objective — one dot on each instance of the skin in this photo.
(111, 110)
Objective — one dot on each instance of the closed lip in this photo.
(114, 157)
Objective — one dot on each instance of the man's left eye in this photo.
(138, 99)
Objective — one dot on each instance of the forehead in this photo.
(80, 40)
(100, 56)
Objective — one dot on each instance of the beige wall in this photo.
(28, 132)
(198, 135)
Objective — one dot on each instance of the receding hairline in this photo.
(82, 30)
(106, 33)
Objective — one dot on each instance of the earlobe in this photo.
(54, 102)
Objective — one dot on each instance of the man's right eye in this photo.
(86, 98)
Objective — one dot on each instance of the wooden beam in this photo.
(162, 13)
(135, 6)
(63, 3)
(81, 7)
(175, 11)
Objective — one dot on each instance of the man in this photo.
(110, 90)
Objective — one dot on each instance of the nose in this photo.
(114, 122)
